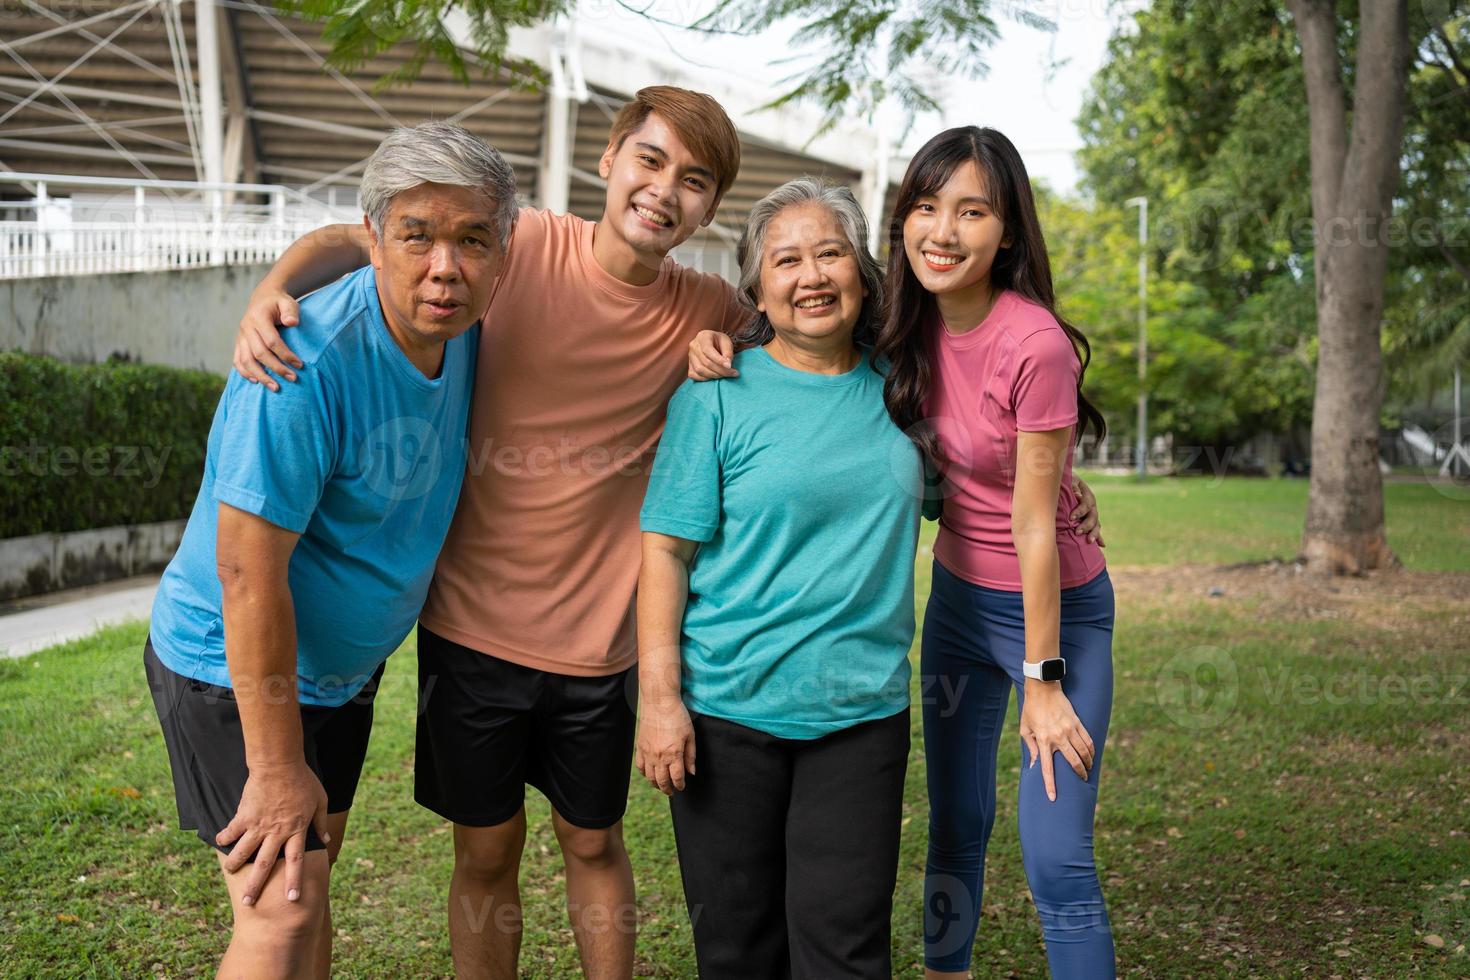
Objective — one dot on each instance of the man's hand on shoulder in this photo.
(259, 349)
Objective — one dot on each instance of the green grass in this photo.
(1238, 519)
(1273, 801)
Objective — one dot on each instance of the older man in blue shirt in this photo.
(313, 539)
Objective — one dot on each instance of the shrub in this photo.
(86, 446)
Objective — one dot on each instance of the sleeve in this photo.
(683, 498)
(1044, 393)
(276, 450)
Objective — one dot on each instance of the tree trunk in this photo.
(1354, 174)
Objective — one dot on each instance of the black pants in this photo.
(789, 850)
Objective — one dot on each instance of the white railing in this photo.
(118, 225)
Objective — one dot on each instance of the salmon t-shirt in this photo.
(574, 372)
(1016, 372)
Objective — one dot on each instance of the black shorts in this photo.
(206, 748)
(487, 727)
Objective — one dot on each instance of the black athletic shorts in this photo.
(487, 727)
(206, 748)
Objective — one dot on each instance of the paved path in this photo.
(28, 625)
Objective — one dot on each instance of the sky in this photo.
(1032, 92)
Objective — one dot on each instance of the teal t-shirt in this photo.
(805, 498)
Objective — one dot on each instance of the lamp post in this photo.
(1141, 448)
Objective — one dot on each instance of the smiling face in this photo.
(951, 236)
(436, 262)
(811, 286)
(658, 194)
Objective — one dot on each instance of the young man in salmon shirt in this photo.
(527, 632)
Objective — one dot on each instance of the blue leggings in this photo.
(973, 648)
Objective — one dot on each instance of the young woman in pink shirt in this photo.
(985, 377)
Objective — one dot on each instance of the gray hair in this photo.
(836, 198)
(438, 153)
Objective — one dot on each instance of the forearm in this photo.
(663, 593)
(1036, 548)
(260, 647)
(317, 258)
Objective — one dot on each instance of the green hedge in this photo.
(99, 445)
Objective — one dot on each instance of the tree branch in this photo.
(1316, 25)
(1450, 257)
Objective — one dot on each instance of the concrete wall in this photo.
(46, 562)
(184, 318)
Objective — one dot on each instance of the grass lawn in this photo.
(1285, 789)
(1205, 520)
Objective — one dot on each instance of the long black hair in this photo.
(1020, 266)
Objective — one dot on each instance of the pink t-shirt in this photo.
(1016, 371)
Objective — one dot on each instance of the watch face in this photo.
(1053, 670)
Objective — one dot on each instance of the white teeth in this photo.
(942, 259)
(653, 216)
(814, 301)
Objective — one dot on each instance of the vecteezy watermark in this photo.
(1198, 687)
(1447, 465)
(402, 458)
(119, 462)
(1286, 685)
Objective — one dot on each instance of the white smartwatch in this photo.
(1045, 670)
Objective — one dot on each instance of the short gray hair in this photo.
(837, 198)
(438, 153)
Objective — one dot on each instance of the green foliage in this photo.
(99, 445)
(362, 30)
(1202, 109)
(869, 51)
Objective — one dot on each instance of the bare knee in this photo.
(489, 853)
(593, 848)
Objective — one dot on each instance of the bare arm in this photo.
(665, 748)
(282, 796)
(315, 259)
(1048, 723)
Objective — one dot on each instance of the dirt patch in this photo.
(1283, 590)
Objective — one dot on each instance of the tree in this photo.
(1355, 171)
(1199, 107)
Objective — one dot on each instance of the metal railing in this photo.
(118, 225)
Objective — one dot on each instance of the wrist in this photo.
(275, 766)
(1036, 686)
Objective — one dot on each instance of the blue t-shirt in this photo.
(806, 498)
(363, 456)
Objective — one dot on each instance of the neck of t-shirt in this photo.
(621, 261)
(832, 359)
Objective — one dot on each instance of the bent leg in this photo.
(274, 937)
(1057, 837)
(485, 899)
(600, 899)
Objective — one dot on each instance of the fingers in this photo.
(260, 871)
(689, 755)
(286, 314)
(239, 855)
(268, 354)
(1033, 750)
(1069, 752)
(725, 346)
(661, 779)
(295, 861)
(319, 820)
(676, 773)
(1048, 776)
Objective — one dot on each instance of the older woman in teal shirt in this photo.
(775, 613)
